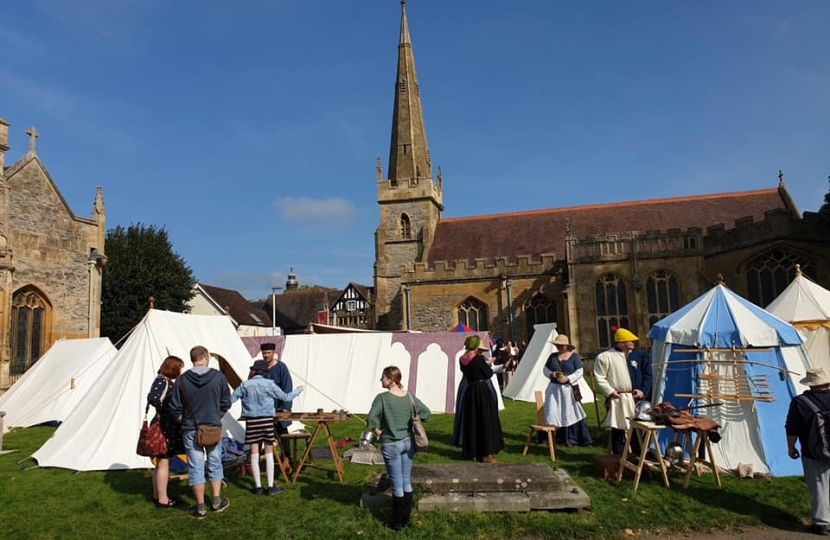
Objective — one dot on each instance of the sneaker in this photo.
(224, 503)
(257, 491)
(274, 490)
(194, 512)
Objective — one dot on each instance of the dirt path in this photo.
(751, 533)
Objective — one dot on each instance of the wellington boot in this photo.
(406, 511)
(397, 514)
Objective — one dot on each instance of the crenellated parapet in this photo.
(777, 224)
(619, 247)
(463, 269)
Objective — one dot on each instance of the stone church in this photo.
(586, 268)
(50, 263)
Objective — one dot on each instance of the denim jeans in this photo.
(817, 476)
(398, 458)
(196, 460)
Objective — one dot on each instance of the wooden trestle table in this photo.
(322, 420)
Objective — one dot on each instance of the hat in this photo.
(562, 339)
(622, 335)
(474, 343)
(816, 377)
(260, 365)
(268, 347)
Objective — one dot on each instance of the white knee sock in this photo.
(255, 469)
(269, 468)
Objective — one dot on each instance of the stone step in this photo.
(485, 488)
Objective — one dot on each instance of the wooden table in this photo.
(646, 433)
(322, 419)
(701, 438)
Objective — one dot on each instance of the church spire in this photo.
(409, 158)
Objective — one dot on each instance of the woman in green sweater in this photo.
(389, 419)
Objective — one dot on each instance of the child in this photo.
(258, 394)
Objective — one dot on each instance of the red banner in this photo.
(322, 317)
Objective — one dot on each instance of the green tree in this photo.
(141, 263)
(824, 211)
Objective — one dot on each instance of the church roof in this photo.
(540, 232)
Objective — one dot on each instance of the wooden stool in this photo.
(701, 437)
(646, 433)
(541, 426)
(292, 438)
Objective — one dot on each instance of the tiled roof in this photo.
(297, 309)
(543, 231)
(240, 309)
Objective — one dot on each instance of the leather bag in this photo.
(416, 429)
(208, 435)
(577, 392)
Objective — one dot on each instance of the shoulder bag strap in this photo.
(413, 410)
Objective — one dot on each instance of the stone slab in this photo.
(506, 501)
(475, 477)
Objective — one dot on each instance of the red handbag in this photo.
(151, 441)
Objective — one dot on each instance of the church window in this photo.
(539, 310)
(403, 86)
(473, 313)
(406, 227)
(612, 308)
(769, 274)
(662, 295)
(28, 330)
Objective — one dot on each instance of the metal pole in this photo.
(406, 291)
(510, 310)
(273, 311)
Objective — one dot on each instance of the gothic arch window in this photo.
(662, 295)
(612, 308)
(30, 317)
(539, 310)
(406, 227)
(473, 313)
(403, 86)
(769, 274)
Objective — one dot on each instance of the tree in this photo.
(824, 211)
(141, 263)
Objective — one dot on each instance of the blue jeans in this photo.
(817, 476)
(398, 459)
(196, 460)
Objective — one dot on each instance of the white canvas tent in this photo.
(101, 431)
(51, 388)
(528, 377)
(806, 305)
(342, 371)
(767, 348)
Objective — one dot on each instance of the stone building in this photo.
(587, 268)
(50, 263)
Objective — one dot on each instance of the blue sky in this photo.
(250, 129)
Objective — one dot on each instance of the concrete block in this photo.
(478, 502)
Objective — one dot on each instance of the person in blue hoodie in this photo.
(258, 395)
(201, 397)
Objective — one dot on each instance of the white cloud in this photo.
(331, 210)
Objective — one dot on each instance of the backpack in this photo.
(818, 440)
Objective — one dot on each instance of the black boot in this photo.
(406, 508)
(397, 513)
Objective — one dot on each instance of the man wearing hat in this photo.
(799, 427)
(258, 395)
(613, 370)
(278, 372)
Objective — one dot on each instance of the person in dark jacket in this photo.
(799, 427)
(201, 397)
(159, 397)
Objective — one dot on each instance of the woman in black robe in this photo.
(481, 429)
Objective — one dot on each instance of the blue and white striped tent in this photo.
(752, 431)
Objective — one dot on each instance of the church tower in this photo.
(410, 200)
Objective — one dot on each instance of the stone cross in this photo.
(33, 134)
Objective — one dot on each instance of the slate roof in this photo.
(240, 309)
(543, 231)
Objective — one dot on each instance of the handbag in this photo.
(205, 435)
(577, 392)
(416, 429)
(151, 441)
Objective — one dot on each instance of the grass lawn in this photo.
(56, 503)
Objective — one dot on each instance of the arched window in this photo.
(29, 330)
(406, 227)
(473, 313)
(662, 295)
(403, 86)
(769, 274)
(539, 310)
(612, 308)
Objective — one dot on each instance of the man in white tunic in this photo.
(613, 378)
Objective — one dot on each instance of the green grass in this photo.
(55, 503)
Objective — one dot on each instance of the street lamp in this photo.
(509, 285)
(274, 290)
(406, 290)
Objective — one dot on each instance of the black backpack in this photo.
(818, 441)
